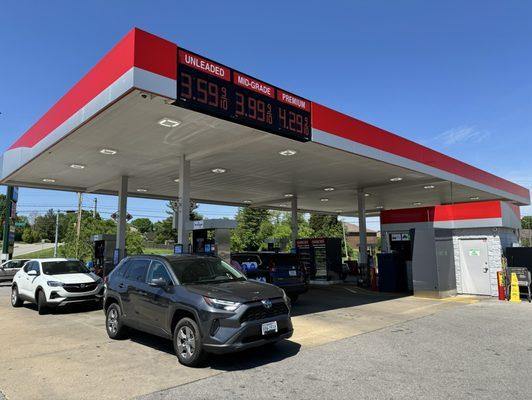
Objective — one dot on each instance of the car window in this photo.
(17, 263)
(158, 271)
(137, 269)
(204, 270)
(121, 268)
(31, 266)
(64, 267)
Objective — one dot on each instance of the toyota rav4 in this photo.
(201, 303)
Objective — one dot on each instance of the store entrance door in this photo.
(474, 266)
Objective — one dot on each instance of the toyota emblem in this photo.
(267, 303)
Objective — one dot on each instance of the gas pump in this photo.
(104, 249)
(202, 243)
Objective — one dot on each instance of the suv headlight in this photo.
(55, 283)
(222, 304)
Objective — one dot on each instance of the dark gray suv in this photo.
(200, 302)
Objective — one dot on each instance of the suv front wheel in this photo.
(16, 301)
(187, 343)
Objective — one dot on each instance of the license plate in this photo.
(292, 273)
(269, 327)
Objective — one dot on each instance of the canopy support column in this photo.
(122, 218)
(362, 248)
(183, 214)
(294, 224)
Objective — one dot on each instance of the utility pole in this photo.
(56, 233)
(78, 227)
(95, 207)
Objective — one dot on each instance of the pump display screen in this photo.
(209, 87)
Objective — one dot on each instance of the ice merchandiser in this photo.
(322, 257)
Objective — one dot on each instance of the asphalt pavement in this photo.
(477, 351)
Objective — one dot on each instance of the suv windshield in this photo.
(204, 270)
(64, 267)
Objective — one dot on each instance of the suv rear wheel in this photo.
(187, 343)
(16, 301)
(113, 322)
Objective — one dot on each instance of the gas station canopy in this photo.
(249, 143)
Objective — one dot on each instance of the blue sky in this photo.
(452, 75)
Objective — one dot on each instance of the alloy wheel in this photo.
(186, 342)
(112, 320)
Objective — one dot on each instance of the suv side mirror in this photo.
(32, 273)
(159, 282)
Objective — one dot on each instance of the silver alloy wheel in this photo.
(112, 320)
(186, 343)
(14, 295)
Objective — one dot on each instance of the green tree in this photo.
(44, 225)
(253, 227)
(526, 222)
(29, 235)
(163, 230)
(325, 225)
(83, 248)
(143, 225)
(134, 242)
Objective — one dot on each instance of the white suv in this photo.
(55, 282)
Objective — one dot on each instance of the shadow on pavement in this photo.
(246, 359)
(68, 309)
(332, 297)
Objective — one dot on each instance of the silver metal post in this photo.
(122, 218)
(295, 226)
(56, 242)
(183, 216)
(363, 246)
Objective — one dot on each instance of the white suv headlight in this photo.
(222, 304)
(55, 283)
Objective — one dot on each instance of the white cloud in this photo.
(462, 134)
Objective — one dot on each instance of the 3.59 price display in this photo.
(212, 88)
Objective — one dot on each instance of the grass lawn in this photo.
(46, 253)
(149, 250)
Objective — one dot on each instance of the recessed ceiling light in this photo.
(396, 179)
(218, 170)
(367, 194)
(169, 123)
(108, 151)
(324, 199)
(379, 207)
(247, 202)
(428, 187)
(288, 195)
(77, 166)
(416, 203)
(176, 180)
(328, 189)
(48, 180)
(474, 198)
(142, 190)
(288, 152)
